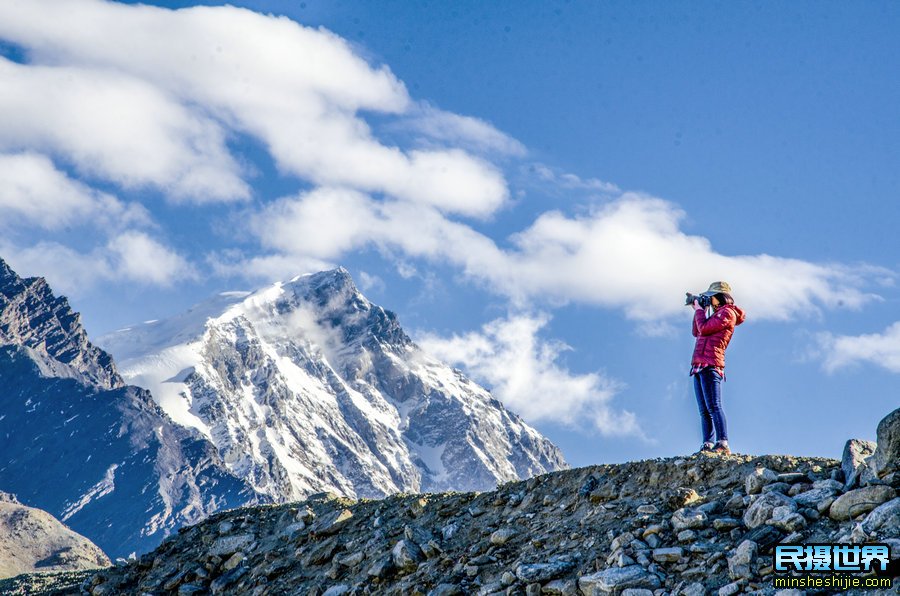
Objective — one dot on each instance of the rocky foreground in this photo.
(697, 525)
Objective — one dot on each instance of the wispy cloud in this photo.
(878, 349)
(524, 372)
(34, 192)
(569, 181)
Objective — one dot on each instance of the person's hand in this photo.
(697, 306)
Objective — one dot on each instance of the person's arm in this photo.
(722, 319)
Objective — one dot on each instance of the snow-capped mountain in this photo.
(78, 442)
(306, 386)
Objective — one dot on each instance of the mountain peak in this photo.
(32, 316)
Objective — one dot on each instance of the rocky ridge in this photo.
(698, 525)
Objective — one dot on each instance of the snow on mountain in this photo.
(306, 386)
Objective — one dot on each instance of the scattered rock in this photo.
(686, 519)
(542, 572)
(887, 452)
(740, 563)
(884, 520)
(859, 501)
(757, 479)
(763, 507)
(616, 579)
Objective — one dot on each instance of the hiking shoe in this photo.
(705, 448)
(721, 448)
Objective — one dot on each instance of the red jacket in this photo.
(714, 333)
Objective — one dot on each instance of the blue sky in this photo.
(531, 186)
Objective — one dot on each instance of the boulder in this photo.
(762, 508)
(686, 519)
(740, 564)
(859, 501)
(542, 572)
(757, 479)
(887, 453)
(856, 452)
(884, 519)
(812, 498)
(616, 579)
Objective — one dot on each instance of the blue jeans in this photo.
(708, 389)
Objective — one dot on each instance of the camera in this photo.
(703, 300)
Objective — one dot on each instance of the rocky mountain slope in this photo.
(77, 442)
(33, 540)
(306, 386)
(698, 525)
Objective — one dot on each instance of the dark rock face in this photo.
(31, 316)
(80, 444)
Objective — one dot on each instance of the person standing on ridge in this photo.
(715, 317)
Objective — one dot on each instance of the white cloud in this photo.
(569, 181)
(524, 373)
(138, 257)
(881, 349)
(114, 126)
(299, 90)
(466, 131)
(629, 254)
(33, 191)
(131, 256)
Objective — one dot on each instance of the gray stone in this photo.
(338, 590)
(812, 498)
(757, 479)
(648, 509)
(331, 523)
(730, 589)
(792, 477)
(884, 520)
(637, 592)
(502, 536)
(764, 536)
(620, 541)
(686, 519)
(887, 453)
(542, 572)
(228, 545)
(856, 452)
(723, 524)
(667, 555)
(778, 487)
(859, 501)
(740, 563)
(762, 508)
(445, 590)
(616, 579)
(686, 536)
(787, 520)
(694, 589)
(829, 484)
(382, 568)
(351, 559)
(561, 587)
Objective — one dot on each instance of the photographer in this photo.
(715, 318)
